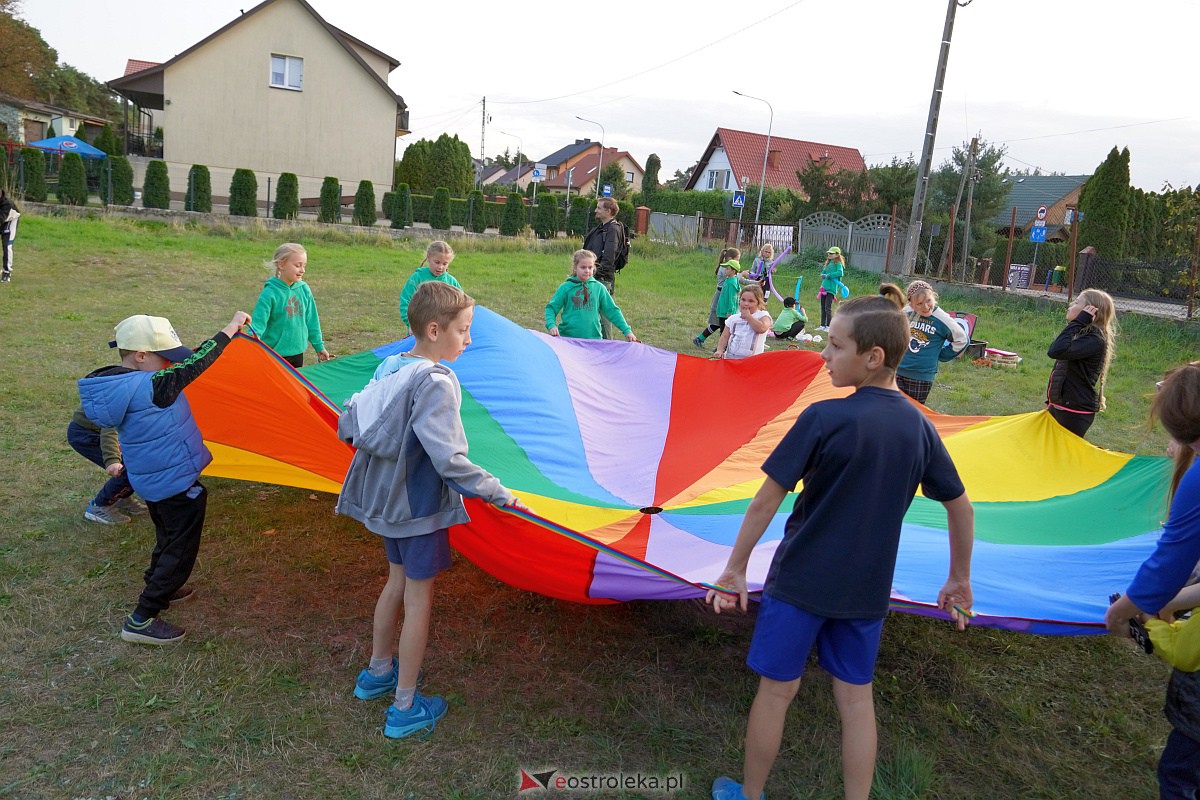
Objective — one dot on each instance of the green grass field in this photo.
(256, 703)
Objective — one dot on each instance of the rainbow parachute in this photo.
(639, 464)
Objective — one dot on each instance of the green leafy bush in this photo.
(331, 201)
(579, 217)
(546, 216)
(364, 205)
(199, 190)
(287, 197)
(243, 193)
(385, 204)
(439, 209)
(476, 220)
(156, 188)
(72, 181)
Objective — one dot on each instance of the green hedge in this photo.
(156, 188)
(402, 207)
(476, 213)
(243, 193)
(331, 200)
(547, 215)
(579, 217)
(711, 204)
(33, 163)
(439, 209)
(513, 221)
(287, 197)
(364, 205)
(122, 182)
(72, 181)
(199, 190)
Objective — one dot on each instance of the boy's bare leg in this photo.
(418, 606)
(856, 707)
(387, 613)
(764, 732)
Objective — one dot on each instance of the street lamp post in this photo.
(520, 147)
(766, 151)
(600, 166)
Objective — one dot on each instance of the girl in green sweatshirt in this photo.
(285, 316)
(581, 300)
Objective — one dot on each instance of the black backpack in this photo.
(622, 256)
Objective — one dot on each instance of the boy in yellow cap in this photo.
(143, 399)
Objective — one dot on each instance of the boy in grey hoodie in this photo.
(406, 483)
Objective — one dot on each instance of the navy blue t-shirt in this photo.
(861, 459)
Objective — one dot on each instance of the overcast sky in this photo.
(1057, 82)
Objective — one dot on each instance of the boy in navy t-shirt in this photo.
(861, 459)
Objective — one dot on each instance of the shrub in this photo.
(364, 205)
(156, 188)
(402, 210)
(331, 201)
(385, 204)
(107, 141)
(33, 163)
(439, 209)
(72, 181)
(514, 215)
(476, 215)
(122, 182)
(546, 216)
(199, 190)
(243, 193)
(287, 197)
(579, 217)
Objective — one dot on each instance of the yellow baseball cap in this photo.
(833, 251)
(151, 334)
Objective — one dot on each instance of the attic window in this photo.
(773, 159)
(287, 72)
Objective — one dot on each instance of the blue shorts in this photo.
(784, 635)
(421, 556)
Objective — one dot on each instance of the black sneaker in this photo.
(182, 595)
(153, 631)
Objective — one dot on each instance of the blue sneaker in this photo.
(729, 789)
(698, 342)
(369, 686)
(424, 714)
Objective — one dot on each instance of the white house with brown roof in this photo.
(734, 159)
(276, 90)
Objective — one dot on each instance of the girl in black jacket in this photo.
(1082, 354)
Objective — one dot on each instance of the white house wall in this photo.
(718, 162)
(222, 112)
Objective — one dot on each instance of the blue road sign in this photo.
(606, 190)
(1037, 234)
(739, 199)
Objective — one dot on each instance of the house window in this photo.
(629, 177)
(287, 72)
(719, 178)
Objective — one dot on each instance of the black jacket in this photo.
(603, 240)
(1079, 358)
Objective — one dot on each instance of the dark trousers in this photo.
(917, 390)
(1077, 424)
(178, 521)
(296, 361)
(1179, 768)
(826, 308)
(610, 283)
(87, 444)
(792, 332)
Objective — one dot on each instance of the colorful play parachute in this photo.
(639, 464)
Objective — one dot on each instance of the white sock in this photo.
(404, 698)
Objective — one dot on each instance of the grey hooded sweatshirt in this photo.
(411, 470)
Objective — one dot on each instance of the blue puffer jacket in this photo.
(163, 449)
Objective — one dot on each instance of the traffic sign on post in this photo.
(538, 174)
(606, 190)
(1041, 212)
(1037, 234)
(739, 199)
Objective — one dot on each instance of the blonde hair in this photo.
(580, 255)
(438, 302)
(767, 246)
(437, 248)
(282, 253)
(1105, 323)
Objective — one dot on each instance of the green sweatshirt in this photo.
(422, 275)
(285, 318)
(731, 289)
(789, 317)
(581, 305)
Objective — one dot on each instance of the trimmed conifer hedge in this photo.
(513, 221)
(156, 188)
(72, 181)
(546, 215)
(199, 190)
(331, 200)
(439, 209)
(287, 197)
(33, 163)
(476, 214)
(402, 207)
(364, 205)
(243, 193)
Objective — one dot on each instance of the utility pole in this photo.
(972, 175)
(482, 139)
(913, 245)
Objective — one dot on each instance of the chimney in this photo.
(773, 159)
